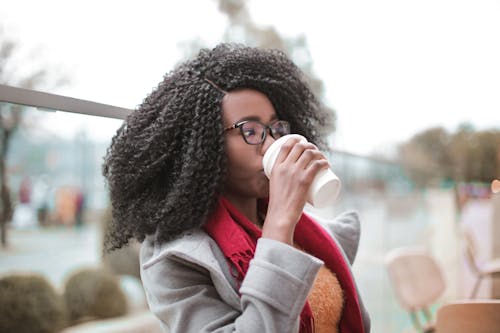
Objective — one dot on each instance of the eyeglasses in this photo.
(254, 132)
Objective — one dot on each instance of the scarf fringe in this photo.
(241, 262)
(306, 324)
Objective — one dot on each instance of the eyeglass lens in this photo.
(254, 132)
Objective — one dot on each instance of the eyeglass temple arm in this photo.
(231, 127)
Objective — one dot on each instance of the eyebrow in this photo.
(273, 118)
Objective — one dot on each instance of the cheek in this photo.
(238, 156)
(243, 163)
(238, 167)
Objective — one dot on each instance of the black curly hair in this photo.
(166, 165)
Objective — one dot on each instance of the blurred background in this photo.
(413, 85)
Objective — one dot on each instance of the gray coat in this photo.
(190, 289)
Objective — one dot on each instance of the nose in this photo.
(268, 141)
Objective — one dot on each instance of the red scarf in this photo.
(237, 237)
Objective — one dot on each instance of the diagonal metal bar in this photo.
(59, 103)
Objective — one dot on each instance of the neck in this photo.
(247, 206)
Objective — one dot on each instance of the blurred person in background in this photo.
(24, 214)
(224, 248)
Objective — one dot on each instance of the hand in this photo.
(295, 168)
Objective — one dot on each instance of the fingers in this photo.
(297, 165)
(300, 153)
(310, 158)
(286, 148)
(315, 166)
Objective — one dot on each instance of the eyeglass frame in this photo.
(267, 128)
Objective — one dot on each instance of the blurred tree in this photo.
(467, 155)
(426, 157)
(475, 154)
(459, 151)
(243, 29)
(11, 115)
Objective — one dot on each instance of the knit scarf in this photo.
(237, 238)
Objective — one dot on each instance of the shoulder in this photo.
(195, 244)
(346, 229)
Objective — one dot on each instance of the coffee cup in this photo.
(326, 185)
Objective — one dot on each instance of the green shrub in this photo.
(123, 261)
(94, 294)
(30, 304)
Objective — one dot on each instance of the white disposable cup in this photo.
(325, 187)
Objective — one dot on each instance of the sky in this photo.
(391, 68)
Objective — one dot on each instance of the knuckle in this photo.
(282, 171)
(314, 154)
(304, 145)
(318, 164)
(288, 145)
(321, 156)
(322, 162)
(309, 153)
(309, 145)
(304, 180)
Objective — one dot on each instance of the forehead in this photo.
(247, 104)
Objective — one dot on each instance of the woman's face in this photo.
(245, 174)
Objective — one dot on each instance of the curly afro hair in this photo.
(166, 165)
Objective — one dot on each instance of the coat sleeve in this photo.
(183, 296)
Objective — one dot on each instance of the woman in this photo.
(225, 249)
